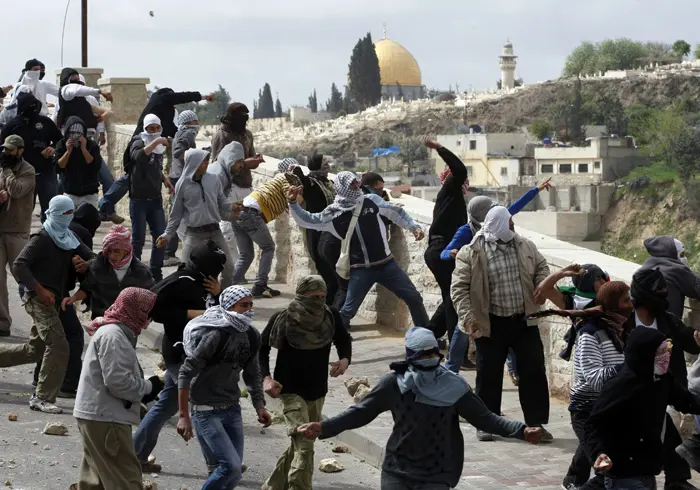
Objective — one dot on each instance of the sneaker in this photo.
(114, 218)
(67, 393)
(171, 261)
(40, 405)
(689, 455)
(514, 378)
(679, 485)
(151, 468)
(442, 344)
(547, 436)
(569, 486)
(484, 436)
(264, 292)
(467, 365)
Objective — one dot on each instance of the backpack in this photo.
(190, 338)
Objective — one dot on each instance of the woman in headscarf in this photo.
(628, 425)
(221, 345)
(302, 334)
(426, 447)
(182, 296)
(110, 392)
(112, 270)
(598, 357)
(43, 269)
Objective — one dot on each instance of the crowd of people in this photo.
(627, 342)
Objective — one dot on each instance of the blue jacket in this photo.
(464, 235)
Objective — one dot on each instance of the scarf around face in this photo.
(307, 323)
(497, 226)
(118, 237)
(346, 197)
(132, 308)
(446, 172)
(57, 223)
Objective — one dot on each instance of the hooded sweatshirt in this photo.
(162, 103)
(682, 281)
(80, 178)
(229, 155)
(198, 202)
(185, 138)
(38, 132)
(75, 104)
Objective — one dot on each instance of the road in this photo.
(30, 460)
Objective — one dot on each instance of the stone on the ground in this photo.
(73, 486)
(160, 373)
(353, 384)
(150, 485)
(244, 392)
(340, 449)
(55, 429)
(330, 465)
(361, 392)
(12, 417)
(8, 483)
(151, 459)
(161, 364)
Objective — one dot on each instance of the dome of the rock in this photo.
(396, 64)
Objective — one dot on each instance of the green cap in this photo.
(13, 142)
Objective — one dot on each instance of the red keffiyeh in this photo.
(446, 172)
(119, 237)
(132, 308)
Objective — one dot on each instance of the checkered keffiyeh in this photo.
(119, 237)
(283, 165)
(132, 308)
(232, 295)
(504, 279)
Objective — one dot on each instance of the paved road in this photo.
(30, 460)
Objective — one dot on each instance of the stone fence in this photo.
(381, 306)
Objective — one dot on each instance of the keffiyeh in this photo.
(446, 172)
(132, 308)
(119, 237)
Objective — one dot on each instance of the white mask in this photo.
(32, 77)
(148, 138)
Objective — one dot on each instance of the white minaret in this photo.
(508, 63)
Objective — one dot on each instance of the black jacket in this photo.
(78, 107)
(162, 103)
(80, 178)
(628, 417)
(145, 172)
(314, 198)
(38, 133)
(450, 210)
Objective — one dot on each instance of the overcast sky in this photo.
(299, 45)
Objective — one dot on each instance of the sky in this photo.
(300, 45)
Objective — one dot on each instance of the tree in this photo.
(313, 102)
(541, 129)
(278, 107)
(577, 128)
(399, 91)
(266, 105)
(363, 74)
(681, 48)
(696, 53)
(639, 122)
(335, 103)
(612, 54)
(582, 60)
(412, 149)
(209, 113)
(608, 110)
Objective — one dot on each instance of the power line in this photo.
(63, 31)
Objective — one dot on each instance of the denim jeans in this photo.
(640, 483)
(220, 431)
(173, 243)
(510, 362)
(459, 343)
(105, 177)
(146, 435)
(142, 212)
(251, 228)
(391, 276)
(46, 188)
(116, 192)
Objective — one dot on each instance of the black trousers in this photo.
(329, 250)
(76, 341)
(325, 270)
(580, 468)
(445, 317)
(491, 353)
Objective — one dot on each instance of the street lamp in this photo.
(84, 32)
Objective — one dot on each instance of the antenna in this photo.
(63, 31)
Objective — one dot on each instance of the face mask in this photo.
(75, 137)
(684, 260)
(62, 220)
(32, 76)
(31, 110)
(662, 359)
(430, 362)
(193, 127)
(8, 160)
(625, 312)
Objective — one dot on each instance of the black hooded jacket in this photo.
(162, 103)
(80, 178)
(182, 291)
(627, 420)
(79, 106)
(682, 281)
(38, 132)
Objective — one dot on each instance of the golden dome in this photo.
(396, 64)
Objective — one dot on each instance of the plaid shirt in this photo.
(504, 279)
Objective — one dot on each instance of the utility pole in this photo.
(84, 14)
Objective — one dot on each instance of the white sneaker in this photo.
(40, 405)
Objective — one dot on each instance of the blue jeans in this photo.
(116, 192)
(46, 188)
(640, 483)
(146, 435)
(510, 362)
(459, 344)
(142, 212)
(391, 276)
(220, 434)
(105, 177)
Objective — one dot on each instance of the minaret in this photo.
(508, 63)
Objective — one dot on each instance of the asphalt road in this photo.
(30, 460)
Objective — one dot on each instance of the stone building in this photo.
(508, 62)
(399, 71)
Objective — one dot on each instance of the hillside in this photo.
(509, 113)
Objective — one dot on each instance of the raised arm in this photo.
(177, 98)
(459, 171)
(311, 221)
(73, 90)
(547, 289)
(396, 214)
(463, 237)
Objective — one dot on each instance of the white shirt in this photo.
(640, 323)
(40, 89)
(75, 91)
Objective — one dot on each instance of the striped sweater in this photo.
(272, 197)
(596, 360)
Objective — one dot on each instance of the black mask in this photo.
(7, 160)
(655, 301)
(31, 110)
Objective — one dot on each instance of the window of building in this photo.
(564, 168)
(470, 170)
(504, 171)
(583, 168)
(596, 165)
(546, 168)
(472, 144)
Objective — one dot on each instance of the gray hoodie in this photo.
(185, 139)
(229, 155)
(198, 202)
(682, 281)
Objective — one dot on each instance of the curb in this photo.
(360, 445)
